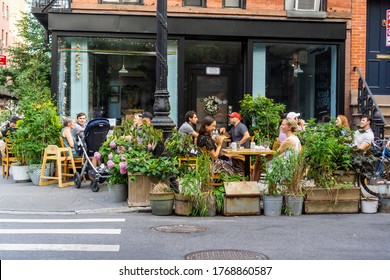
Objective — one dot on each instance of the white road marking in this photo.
(61, 220)
(59, 247)
(60, 231)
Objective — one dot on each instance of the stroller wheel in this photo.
(94, 186)
(77, 180)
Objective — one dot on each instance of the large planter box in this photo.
(241, 198)
(138, 190)
(345, 176)
(319, 200)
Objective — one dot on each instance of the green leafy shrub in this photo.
(264, 115)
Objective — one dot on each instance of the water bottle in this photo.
(253, 145)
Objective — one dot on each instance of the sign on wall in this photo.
(3, 60)
(388, 28)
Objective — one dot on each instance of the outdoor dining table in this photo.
(247, 153)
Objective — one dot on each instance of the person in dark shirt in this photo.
(239, 132)
(6, 129)
(213, 147)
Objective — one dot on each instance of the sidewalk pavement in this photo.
(26, 197)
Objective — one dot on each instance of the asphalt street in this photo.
(306, 237)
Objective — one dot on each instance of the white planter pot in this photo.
(19, 173)
(35, 172)
(369, 206)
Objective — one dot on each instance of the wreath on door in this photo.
(211, 104)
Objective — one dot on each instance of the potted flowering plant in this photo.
(130, 160)
(113, 154)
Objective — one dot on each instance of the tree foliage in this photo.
(29, 59)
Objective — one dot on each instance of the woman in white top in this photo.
(292, 143)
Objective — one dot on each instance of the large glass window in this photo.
(109, 77)
(302, 76)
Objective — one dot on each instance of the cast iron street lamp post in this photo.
(161, 105)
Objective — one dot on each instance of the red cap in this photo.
(235, 115)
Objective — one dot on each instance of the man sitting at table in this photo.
(239, 132)
(188, 127)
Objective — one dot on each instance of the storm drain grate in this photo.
(225, 254)
(179, 229)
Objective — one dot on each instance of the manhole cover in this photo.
(225, 254)
(179, 229)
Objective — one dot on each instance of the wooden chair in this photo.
(8, 159)
(60, 156)
(189, 161)
(216, 177)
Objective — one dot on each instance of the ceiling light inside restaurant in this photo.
(123, 70)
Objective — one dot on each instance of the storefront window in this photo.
(109, 77)
(302, 76)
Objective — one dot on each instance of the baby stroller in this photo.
(89, 142)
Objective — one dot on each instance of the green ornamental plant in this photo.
(278, 175)
(40, 126)
(178, 145)
(196, 184)
(326, 149)
(264, 115)
(131, 155)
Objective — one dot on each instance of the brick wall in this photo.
(358, 39)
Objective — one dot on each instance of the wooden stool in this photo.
(61, 156)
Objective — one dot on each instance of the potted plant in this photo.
(189, 190)
(328, 154)
(40, 127)
(206, 203)
(112, 153)
(161, 199)
(264, 116)
(196, 196)
(133, 154)
(276, 178)
(294, 193)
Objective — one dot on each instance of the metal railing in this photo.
(57, 5)
(368, 106)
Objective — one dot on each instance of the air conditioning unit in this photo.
(307, 5)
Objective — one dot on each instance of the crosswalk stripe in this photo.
(61, 220)
(59, 247)
(60, 231)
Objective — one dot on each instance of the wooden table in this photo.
(247, 153)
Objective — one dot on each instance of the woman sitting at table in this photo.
(291, 145)
(213, 147)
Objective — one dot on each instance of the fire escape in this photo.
(368, 106)
(40, 8)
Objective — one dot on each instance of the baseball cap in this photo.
(293, 115)
(147, 114)
(235, 115)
